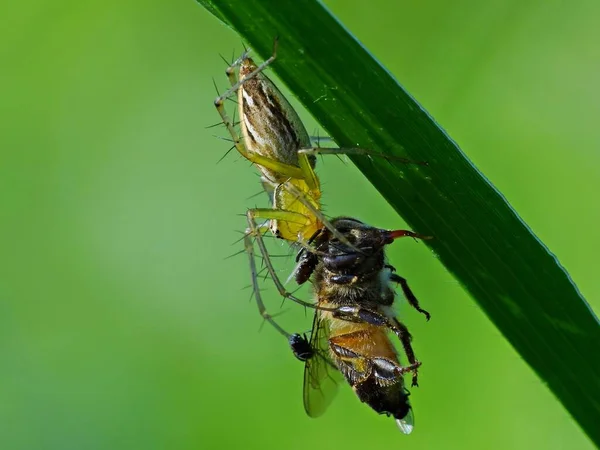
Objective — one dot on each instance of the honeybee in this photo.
(353, 316)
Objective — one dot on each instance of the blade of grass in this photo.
(478, 236)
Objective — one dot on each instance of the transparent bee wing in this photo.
(321, 377)
(407, 423)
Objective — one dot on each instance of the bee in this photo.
(354, 296)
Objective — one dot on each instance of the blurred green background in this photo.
(123, 326)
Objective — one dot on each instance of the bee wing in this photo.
(407, 423)
(321, 376)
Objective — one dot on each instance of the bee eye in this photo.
(342, 262)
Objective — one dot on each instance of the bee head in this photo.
(360, 255)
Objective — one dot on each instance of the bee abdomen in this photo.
(391, 400)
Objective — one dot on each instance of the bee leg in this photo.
(356, 314)
(405, 338)
(410, 368)
(408, 293)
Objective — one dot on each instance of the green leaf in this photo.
(478, 236)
